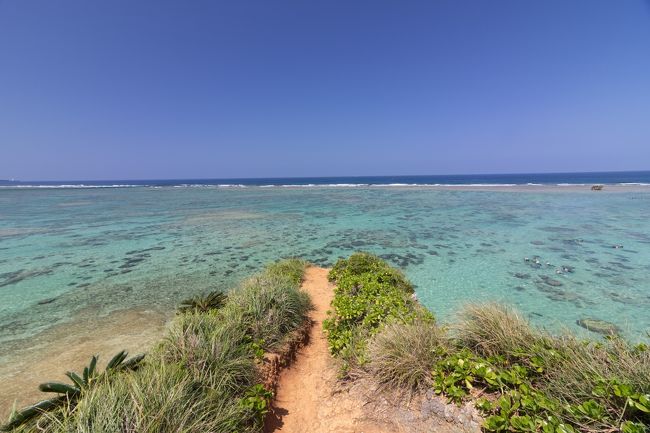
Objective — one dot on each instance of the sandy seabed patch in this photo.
(50, 354)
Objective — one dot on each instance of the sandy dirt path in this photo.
(304, 399)
(311, 399)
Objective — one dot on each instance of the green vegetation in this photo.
(555, 383)
(203, 377)
(527, 379)
(203, 304)
(401, 354)
(368, 294)
(69, 394)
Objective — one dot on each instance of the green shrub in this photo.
(613, 375)
(68, 394)
(368, 294)
(163, 397)
(203, 303)
(365, 263)
(533, 381)
(213, 351)
(493, 329)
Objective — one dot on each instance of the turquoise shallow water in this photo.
(64, 250)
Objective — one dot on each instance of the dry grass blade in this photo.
(402, 355)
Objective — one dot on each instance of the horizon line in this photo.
(324, 177)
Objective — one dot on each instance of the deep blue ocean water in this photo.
(627, 177)
(558, 254)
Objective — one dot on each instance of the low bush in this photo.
(368, 294)
(492, 329)
(266, 309)
(540, 382)
(368, 264)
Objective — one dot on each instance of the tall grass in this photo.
(266, 310)
(401, 355)
(534, 381)
(199, 377)
(493, 329)
(598, 385)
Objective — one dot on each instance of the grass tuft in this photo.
(493, 329)
(401, 355)
(292, 269)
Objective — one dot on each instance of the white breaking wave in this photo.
(70, 186)
(313, 185)
(461, 185)
(325, 185)
(633, 184)
(208, 185)
(573, 184)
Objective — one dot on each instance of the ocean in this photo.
(559, 254)
(624, 178)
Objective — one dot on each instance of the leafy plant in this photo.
(368, 294)
(204, 303)
(531, 381)
(256, 347)
(258, 400)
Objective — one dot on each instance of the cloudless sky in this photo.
(141, 89)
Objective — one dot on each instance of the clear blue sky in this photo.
(127, 89)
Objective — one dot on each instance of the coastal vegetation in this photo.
(368, 294)
(203, 304)
(206, 374)
(69, 394)
(522, 379)
(203, 376)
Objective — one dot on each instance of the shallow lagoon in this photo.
(64, 251)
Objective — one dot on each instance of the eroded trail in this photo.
(304, 398)
(309, 399)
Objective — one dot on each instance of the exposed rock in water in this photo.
(599, 326)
